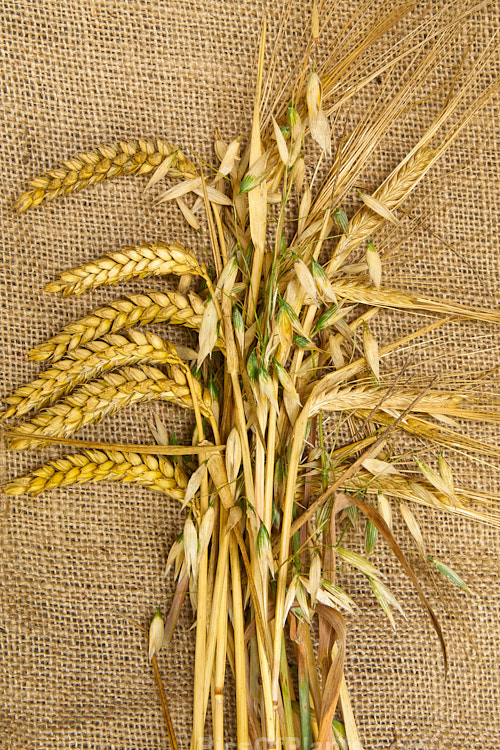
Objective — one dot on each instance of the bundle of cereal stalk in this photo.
(285, 313)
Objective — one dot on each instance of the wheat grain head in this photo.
(101, 398)
(104, 163)
(86, 363)
(146, 259)
(156, 472)
(153, 306)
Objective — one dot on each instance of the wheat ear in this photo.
(101, 398)
(160, 307)
(84, 364)
(147, 259)
(103, 163)
(391, 193)
(156, 472)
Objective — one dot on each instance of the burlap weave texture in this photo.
(81, 569)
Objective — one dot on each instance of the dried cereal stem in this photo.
(239, 645)
(202, 609)
(293, 464)
(219, 629)
(163, 698)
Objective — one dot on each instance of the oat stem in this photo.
(164, 705)
(220, 657)
(257, 198)
(201, 618)
(239, 647)
(293, 465)
(286, 692)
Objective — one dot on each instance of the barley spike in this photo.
(391, 193)
(398, 299)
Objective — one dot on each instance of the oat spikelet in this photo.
(391, 193)
(100, 398)
(147, 259)
(155, 472)
(103, 163)
(370, 346)
(84, 364)
(158, 307)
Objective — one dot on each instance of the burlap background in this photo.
(78, 566)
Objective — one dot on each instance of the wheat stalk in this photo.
(101, 398)
(84, 364)
(158, 473)
(153, 306)
(104, 163)
(146, 259)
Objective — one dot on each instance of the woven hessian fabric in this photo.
(82, 568)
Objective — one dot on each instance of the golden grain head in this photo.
(104, 163)
(98, 466)
(140, 261)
